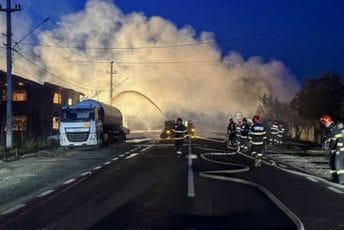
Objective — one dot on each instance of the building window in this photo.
(57, 98)
(70, 101)
(19, 123)
(55, 123)
(19, 95)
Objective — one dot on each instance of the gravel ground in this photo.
(308, 158)
(316, 165)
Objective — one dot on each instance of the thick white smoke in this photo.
(181, 72)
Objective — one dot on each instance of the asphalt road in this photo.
(154, 188)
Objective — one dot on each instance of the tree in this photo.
(322, 95)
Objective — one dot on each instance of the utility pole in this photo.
(112, 72)
(9, 117)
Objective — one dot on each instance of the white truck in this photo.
(91, 123)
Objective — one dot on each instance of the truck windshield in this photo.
(75, 115)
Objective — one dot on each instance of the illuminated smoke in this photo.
(191, 81)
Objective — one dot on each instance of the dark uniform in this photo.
(280, 134)
(231, 130)
(257, 136)
(335, 140)
(244, 130)
(179, 131)
(273, 133)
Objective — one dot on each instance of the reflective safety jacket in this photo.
(231, 127)
(335, 137)
(257, 134)
(244, 130)
(274, 129)
(179, 130)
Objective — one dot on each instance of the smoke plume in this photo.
(185, 74)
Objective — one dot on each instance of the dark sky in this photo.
(306, 35)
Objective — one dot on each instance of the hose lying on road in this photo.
(214, 174)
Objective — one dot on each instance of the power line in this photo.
(161, 46)
(31, 31)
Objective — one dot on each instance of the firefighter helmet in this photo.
(256, 119)
(325, 119)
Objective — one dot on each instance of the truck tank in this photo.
(111, 116)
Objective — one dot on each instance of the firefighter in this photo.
(280, 134)
(273, 132)
(179, 131)
(335, 140)
(257, 136)
(244, 130)
(231, 131)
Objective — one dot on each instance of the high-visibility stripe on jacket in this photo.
(257, 134)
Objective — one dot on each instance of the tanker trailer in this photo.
(91, 123)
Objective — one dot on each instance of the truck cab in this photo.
(80, 126)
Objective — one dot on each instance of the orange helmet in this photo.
(256, 119)
(325, 119)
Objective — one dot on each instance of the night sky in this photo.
(307, 36)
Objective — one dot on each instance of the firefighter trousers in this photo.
(337, 166)
(179, 145)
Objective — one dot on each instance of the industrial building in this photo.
(36, 107)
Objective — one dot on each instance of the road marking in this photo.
(192, 156)
(335, 190)
(191, 186)
(108, 162)
(68, 181)
(131, 156)
(98, 167)
(221, 154)
(122, 155)
(115, 159)
(283, 166)
(312, 179)
(85, 174)
(15, 208)
(145, 149)
(127, 153)
(45, 193)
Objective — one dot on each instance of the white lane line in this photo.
(312, 179)
(191, 185)
(108, 162)
(145, 149)
(45, 193)
(115, 159)
(122, 155)
(335, 190)
(127, 153)
(131, 156)
(68, 181)
(98, 167)
(283, 166)
(15, 208)
(221, 154)
(85, 174)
